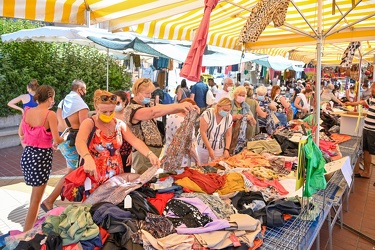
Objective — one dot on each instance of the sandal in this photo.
(45, 209)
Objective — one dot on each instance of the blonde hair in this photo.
(223, 102)
(261, 90)
(250, 92)
(142, 84)
(238, 90)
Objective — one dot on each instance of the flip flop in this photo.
(45, 209)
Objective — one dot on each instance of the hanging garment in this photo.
(347, 57)
(234, 67)
(181, 143)
(238, 144)
(162, 63)
(261, 15)
(314, 169)
(137, 60)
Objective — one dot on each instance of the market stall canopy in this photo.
(343, 21)
(177, 50)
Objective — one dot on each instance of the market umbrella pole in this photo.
(107, 67)
(318, 71)
(192, 67)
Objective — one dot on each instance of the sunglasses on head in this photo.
(145, 80)
(108, 98)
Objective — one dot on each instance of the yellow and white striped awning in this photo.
(347, 20)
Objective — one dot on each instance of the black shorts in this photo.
(368, 138)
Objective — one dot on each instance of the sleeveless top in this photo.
(279, 106)
(37, 136)
(31, 103)
(105, 150)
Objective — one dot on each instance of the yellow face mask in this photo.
(106, 118)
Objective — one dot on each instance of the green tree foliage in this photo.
(55, 64)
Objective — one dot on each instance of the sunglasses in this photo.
(145, 80)
(106, 98)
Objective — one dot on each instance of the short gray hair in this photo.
(261, 90)
(76, 84)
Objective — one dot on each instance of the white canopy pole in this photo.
(107, 66)
(373, 71)
(318, 70)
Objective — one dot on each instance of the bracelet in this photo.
(149, 153)
(226, 149)
(85, 155)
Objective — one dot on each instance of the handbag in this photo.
(72, 132)
(73, 188)
(161, 128)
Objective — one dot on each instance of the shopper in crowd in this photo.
(26, 99)
(267, 124)
(71, 112)
(126, 148)
(174, 121)
(183, 92)
(140, 116)
(37, 129)
(198, 94)
(215, 131)
(212, 86)
(302, 104)
(350, 95)
(157, 94)
(328, 96)
(102, 157)
(368, 136)
(226, 91)
(282, 105)
(257, 112)
(366, 92)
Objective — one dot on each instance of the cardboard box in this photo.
(348, 123)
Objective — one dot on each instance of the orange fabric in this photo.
(258, 242)
(287, 216)
(338, 138)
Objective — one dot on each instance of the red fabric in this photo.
(266, 183)
(104, 236)
(160, 201)
(72, 247)
(326, 145)
(191, 69)
(207, 182)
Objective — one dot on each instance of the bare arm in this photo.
(260, 112)
(82, 149)
(82, 115)
(52, 123)
(228, 140)
(12, 103)
(284, 102)
(192, 96)
(144, 114)
(203, 126)
(296, 103)
(157, 100)
(179, 95)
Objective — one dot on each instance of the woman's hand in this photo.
(252, 120)
(226, 154)
(154, 160)
(129, 160)
(186, 106)
(211, 153)
(90, 167)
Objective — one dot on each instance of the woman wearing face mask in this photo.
(140, 116)
(215, 131)
(281, 105)
(328, 96)
(37, 129)
(350, 95)
(102, 157)
(126, 148)
(366, 92)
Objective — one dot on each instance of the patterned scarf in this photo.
(181, 143)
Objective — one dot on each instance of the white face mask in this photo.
(230, 89)
(119, 108)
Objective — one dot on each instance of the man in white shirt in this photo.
(212, 86)
(226, 91)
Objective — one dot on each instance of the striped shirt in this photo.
(370, 118)
(215, 131)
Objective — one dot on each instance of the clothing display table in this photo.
(300, 233)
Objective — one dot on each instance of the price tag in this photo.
(128, 202)
(236, 242)
(87, 184)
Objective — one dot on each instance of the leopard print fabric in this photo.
(261, 15)
(147, 131)
(347, 57)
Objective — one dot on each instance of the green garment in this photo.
(73, 225)
(314, 169)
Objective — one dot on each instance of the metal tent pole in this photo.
(107, 67)
(318, 70)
